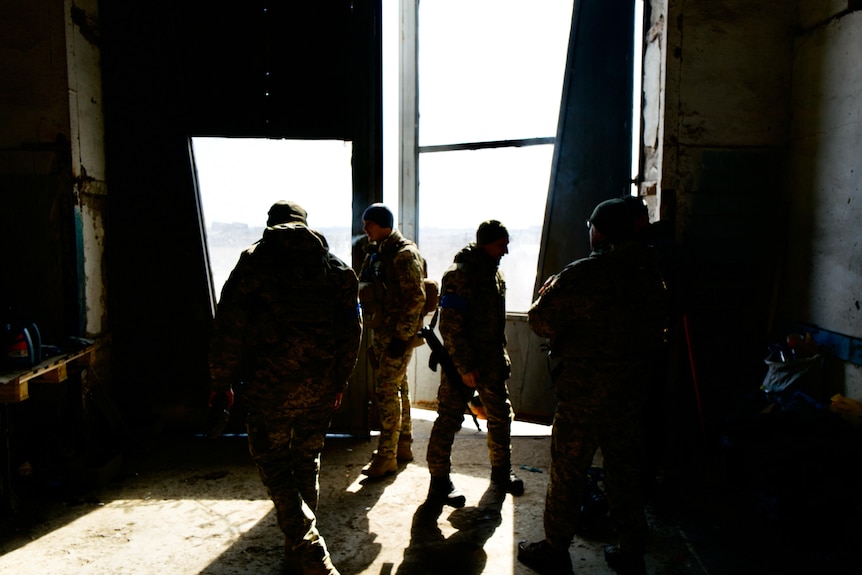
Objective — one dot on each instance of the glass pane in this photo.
(491, 69)
(240, 179)
(459, 190)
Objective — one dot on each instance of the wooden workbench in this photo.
(14, 385)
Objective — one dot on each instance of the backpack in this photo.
(432, 294)
(290, 285)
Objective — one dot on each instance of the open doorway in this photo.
(240, 178)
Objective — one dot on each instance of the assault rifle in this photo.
(440, 356)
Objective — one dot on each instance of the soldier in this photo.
(392, 275)
(287, 332)
(604, 316)
(473, 326)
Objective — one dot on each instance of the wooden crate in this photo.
(14, 392)
(14, 386)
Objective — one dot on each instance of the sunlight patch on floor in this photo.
(519, 428)
(148, 535)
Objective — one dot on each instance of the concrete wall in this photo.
(823, 283)
(652, 107)
(761, 137)
(34, 159)
(35, 102)
(52, 166)
(87, 131)
(727, 113)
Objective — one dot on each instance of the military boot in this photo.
(505, 478)
(292, 560)
(380, 466)
(543, 558)
(624, 563)
(443, 492)
(316, 560)
(405, 451)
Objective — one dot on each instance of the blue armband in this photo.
(453, 301)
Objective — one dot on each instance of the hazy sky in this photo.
(241, 179)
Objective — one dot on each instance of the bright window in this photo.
(461, 189)
(491, 69)
(490, 73)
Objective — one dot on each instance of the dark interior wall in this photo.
(727, 118)
(267, 69)
(174, 70)
(822, 272)
(38, 259)
(159, 298)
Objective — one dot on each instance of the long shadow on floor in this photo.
(431, 552)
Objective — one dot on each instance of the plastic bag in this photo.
(786, 379)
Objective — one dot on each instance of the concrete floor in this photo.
(193, 505)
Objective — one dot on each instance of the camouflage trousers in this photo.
(452, 401)
(392, 391)
(578, 432)
(286, 449)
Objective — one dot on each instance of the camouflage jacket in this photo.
(397, 270)
(610, 305)
(473, 314)
(287, 326)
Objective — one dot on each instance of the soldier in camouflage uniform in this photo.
(473, 326)
(604, 316)
(287, 332)
(394, 271)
